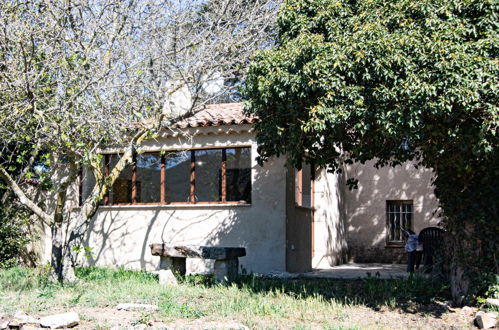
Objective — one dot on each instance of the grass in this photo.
(255, 302)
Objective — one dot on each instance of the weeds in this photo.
(23, 279)
(250, 298)
(371, 291)
(96, 274)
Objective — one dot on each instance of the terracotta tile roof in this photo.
(218, 115)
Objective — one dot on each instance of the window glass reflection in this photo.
(239, 174)
(208, 175)
(148, 178)
(177, 176)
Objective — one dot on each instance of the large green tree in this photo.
(399, 80)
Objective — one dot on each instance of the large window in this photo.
(398, 217)
(176, 177)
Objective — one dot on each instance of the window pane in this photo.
(208, 175)
(399, 215)
(392, 226)
(306, 198)
(148, 178)
(239, 174)
(121, 191)
(87, 183)
(177, 180)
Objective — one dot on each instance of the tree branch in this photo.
(23, 198)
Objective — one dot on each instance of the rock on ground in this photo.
(65, 320)
(20, 318)
(166, 277)
(4, 321)
(469, 311)
(486, 320)
(137, 307)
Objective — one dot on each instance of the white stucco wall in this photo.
(365, 207)
(120, 235)
(348, 225)
(330, 237)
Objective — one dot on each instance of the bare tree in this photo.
(77, 76)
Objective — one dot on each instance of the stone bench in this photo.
(173, 260)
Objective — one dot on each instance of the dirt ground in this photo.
(438, 316)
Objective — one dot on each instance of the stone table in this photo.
(173, 259)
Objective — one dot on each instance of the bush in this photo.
(24, 279)
(13, 234)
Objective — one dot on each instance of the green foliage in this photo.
(371, 291)
(24, 279)
(254, 301)
(352, 81)
(13, 234)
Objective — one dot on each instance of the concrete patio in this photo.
(355, 271)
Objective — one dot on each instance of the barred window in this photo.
(398, 217)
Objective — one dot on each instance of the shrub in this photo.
(13, 234)
(24, 279)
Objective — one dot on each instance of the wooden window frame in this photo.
(299, 198)
(299, 187)
(391, 243)
(192, 180)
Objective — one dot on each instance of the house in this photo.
(199, 183)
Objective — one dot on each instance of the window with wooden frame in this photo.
(399, 214)
(304, 179)
(202, 176)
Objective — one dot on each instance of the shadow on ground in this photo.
(415, 294)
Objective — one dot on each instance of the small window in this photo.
(398, 217)
(303, 186)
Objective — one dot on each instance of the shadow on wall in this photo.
(365, 208)
(330, 243)
(120, 235)
(337, 246)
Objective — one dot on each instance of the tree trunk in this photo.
(459, 283)
(56, 257)
(465, 262)
(62, 265)
(91, 204)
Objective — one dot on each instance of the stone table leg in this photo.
(226, 270)
(169, 267)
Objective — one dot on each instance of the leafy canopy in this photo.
(393, 81)
(363, 76)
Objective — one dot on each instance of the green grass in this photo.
(251, 300)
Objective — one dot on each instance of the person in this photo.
(414, 250)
